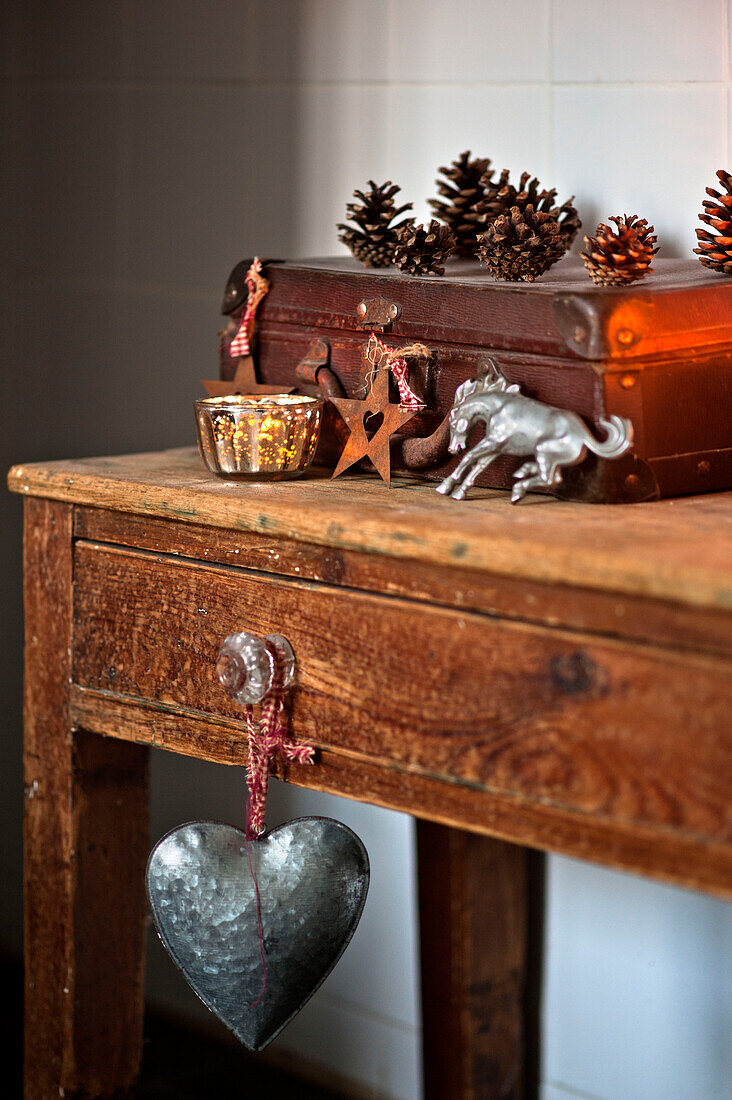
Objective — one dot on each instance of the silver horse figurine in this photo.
(518, 425)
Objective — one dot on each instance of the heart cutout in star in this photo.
(372, 421)
(312, 877)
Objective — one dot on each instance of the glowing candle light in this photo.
(268, 436)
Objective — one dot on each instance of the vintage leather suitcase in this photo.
(658, 352)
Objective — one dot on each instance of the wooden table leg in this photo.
(85, 848)
(475, 927)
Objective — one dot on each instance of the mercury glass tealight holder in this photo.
(272, 436)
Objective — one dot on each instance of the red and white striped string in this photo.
(395, 359)
(269, 739)
(240, 343)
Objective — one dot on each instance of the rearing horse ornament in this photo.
(521, 426)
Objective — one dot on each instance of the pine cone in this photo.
(568, 220)
(616, 257)
(423, 250)
(501, 197)
(522, 244)
(373, 241)
(715, 251)
(463, 187)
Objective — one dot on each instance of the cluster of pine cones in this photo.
(615, 257)
(517, 230)
(378, 240)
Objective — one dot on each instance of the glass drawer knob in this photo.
(246, 665)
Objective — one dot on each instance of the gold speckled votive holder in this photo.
(272, 436)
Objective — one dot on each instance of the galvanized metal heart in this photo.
(311, 875)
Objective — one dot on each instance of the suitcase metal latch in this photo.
(377, 314)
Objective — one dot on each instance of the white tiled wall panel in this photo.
(638, 999)
(341, 136)
(151, 144)
(382, 1054)
(431, 125)
(346, 42)
(475, 42)
(659, 172)
(638, 41)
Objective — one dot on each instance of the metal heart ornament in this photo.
(257, 925)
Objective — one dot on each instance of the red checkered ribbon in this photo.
(257, 286)
(268, 740)
(395, 359)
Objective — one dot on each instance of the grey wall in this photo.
(147, 145)
(129, 193)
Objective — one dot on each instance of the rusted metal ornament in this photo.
(210, 889)
(371, 423)
(244, 383)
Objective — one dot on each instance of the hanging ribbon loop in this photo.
(381, 357)
(268, 739)
(257, 286)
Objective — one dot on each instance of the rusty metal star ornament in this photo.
(371, 422)
(244, 382)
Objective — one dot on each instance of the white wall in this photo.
(149, 145)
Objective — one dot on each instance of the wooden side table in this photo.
(549, 676)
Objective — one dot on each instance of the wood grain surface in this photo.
(624, 734)
(473, 906)
(674, 550)
(611, 614)
(666, 854)
(85, 849)
(562, 313)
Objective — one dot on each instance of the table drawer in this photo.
(623, 732)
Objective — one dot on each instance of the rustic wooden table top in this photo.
(677, 550)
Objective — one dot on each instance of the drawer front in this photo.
(624, 733)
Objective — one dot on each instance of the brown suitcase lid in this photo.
(679, 308)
